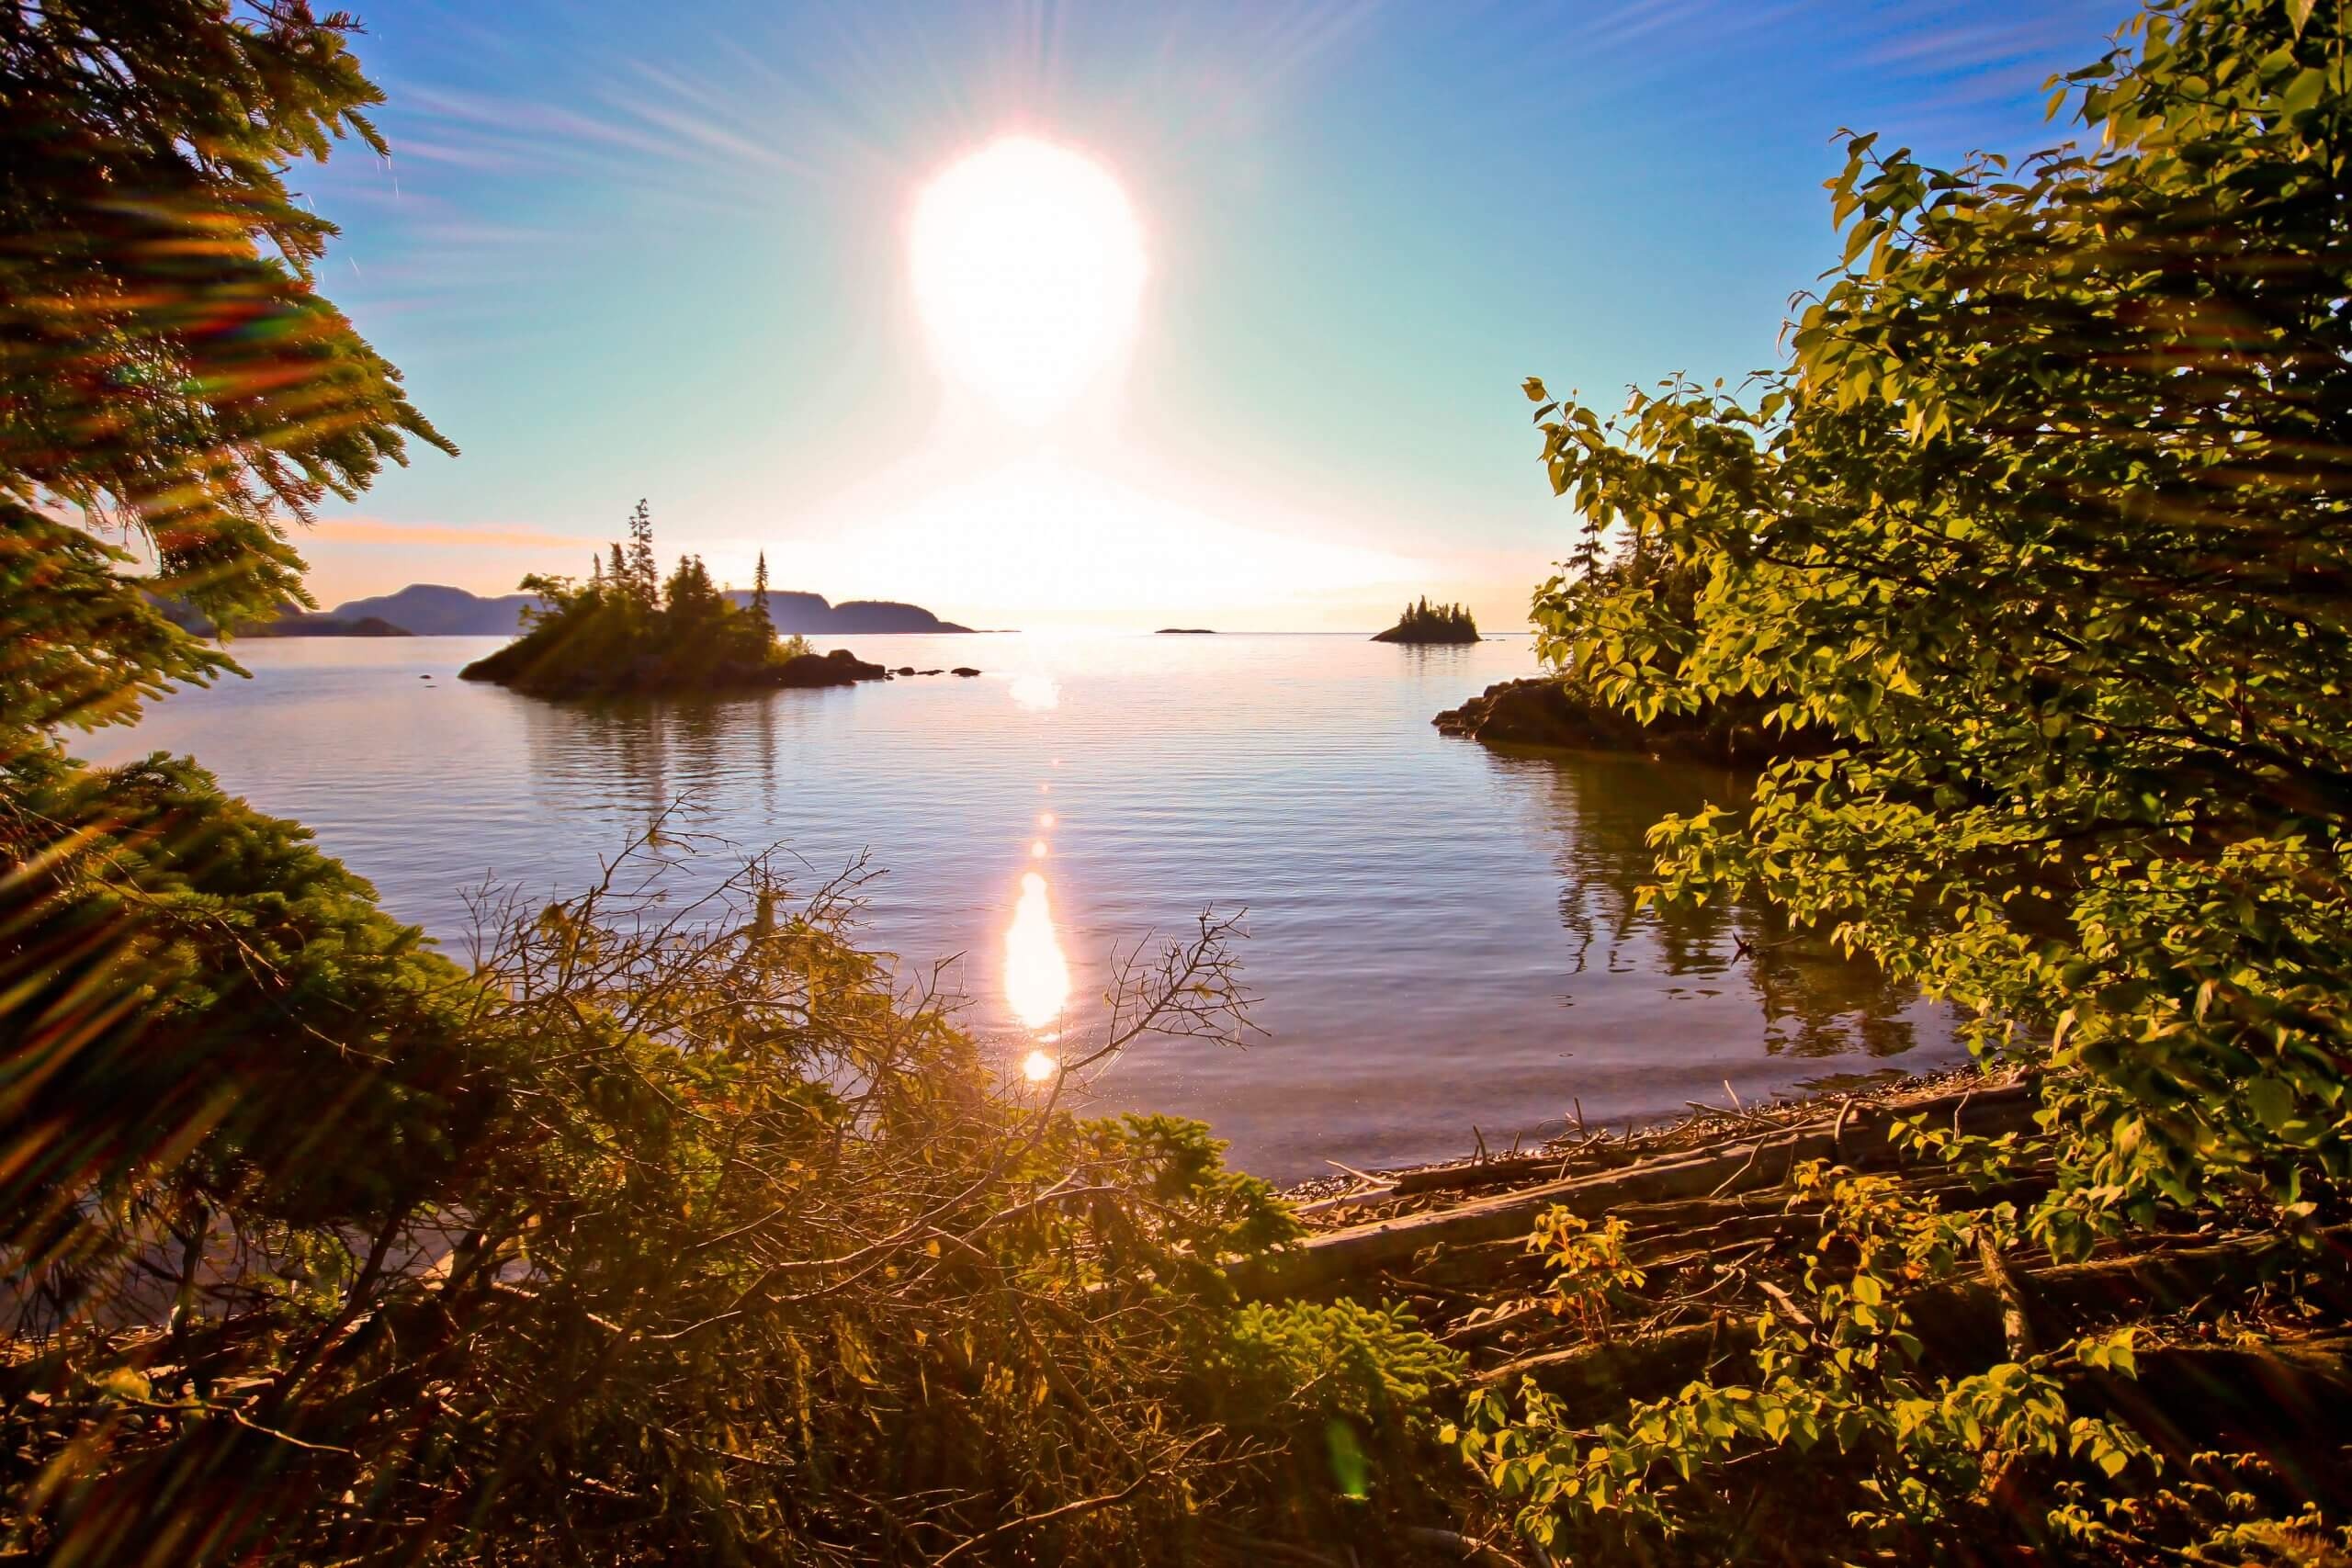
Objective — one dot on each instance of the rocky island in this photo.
(625, 631)
(1426, 622)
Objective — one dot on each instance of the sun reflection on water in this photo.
(1036, 976)
(1039, 693)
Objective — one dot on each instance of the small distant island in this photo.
(1186, 631)
(1426, 622)
(629, 630)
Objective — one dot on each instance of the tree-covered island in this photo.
(626, 629)
(1425, 622)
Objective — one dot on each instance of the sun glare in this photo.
(1027, 262)
(1039, 1066)
(1036, 976)
(1039, 693)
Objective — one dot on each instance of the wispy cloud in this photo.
(382, 531)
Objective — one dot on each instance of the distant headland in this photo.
(292, 623)
(1186, 631)
(429, 609)
(432, 611)
(329, 626)
(1426, 622)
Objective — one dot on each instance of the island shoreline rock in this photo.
(644, 678)
(1436, 637)
(1542, 711)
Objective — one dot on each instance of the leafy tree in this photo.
(205, 1012)
(171, 372)
(83, 646)
(2046, 519)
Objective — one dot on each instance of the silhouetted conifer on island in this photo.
(1425, 622)
(622, 630)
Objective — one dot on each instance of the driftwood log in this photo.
(2287, 1402)
(1961, 1323)
(1744, 1165)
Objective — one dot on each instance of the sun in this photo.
(1027, 262)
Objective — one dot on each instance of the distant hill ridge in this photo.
(429, 609)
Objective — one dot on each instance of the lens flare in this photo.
(1039, 1066)
(1027, 265)
(1036, 976)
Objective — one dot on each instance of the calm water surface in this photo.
(1443, 935)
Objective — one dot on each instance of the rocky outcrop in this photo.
(838, 668)
(1543, 712)
(1428, 634)
(651, 676)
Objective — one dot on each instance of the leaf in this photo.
(2304, 91)
(2272, 1101)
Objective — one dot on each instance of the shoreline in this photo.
(1349, 1196)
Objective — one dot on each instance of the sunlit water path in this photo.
(1443, 936)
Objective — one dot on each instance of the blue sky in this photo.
(628, 251)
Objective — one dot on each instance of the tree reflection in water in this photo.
(1598, 809)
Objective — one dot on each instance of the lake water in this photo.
(1443, 935)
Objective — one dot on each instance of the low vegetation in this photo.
(664, 1231)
